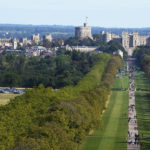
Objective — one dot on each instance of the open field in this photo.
(5, 98)
(121, 83)
(115, 123)
(141, 81)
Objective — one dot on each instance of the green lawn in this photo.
(143, 109)
(121, 83)
(143, 114)
(5, 98)
(113, 135)
(141, 81)
(115, 124)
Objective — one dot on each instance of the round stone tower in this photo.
(83, 32)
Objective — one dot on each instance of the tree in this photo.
(47, 43)
(10, 79)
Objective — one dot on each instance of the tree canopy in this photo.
(66, 68)
(47, 119)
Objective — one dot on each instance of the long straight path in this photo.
(133, 135)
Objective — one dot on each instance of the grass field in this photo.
(141, 81)
(121, 83)
(5, 98)
(143, 109)
(143, 114)
(115, 124)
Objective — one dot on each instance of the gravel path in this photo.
(133, 135)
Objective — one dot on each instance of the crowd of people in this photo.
(133, 135)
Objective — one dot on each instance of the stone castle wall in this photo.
(128, 40)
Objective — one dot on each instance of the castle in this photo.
(83, 32)
(129, 41)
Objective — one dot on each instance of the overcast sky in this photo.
(103, 13)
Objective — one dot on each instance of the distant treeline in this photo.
(19, 31)
(58, 31)
(44, 119)
(66, 68)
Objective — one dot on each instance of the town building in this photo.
(82, 48)
(38, 48)
(12, 51)
(15, 43)
(5, 40)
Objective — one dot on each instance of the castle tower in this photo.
(125, 40)
(83, 32)
(36, 38)
(108, 37)
(136, 41)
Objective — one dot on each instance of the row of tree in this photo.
(145, 64)
(142, 55)
(47, 119)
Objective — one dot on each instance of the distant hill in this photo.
(18, 31)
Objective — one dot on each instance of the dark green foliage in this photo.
(145, 64)
(67, 68)
(139, 52)
(85, 42)
(113, 46)
(142, 55)
(44, 119)
(110, 47)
